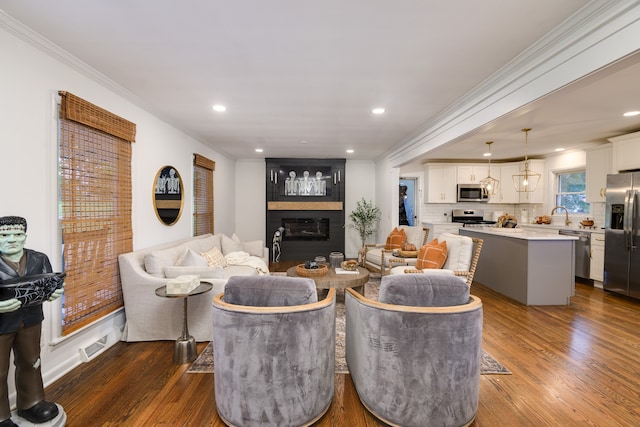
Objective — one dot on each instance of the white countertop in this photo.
(520, 233)
(454, 224)
(556, 227)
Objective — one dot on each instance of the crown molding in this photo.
(36, 40)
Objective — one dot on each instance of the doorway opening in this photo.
(407, 214)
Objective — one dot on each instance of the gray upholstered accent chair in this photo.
(414, 355)
(379, 260)
(274, 351)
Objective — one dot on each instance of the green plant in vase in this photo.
(365, 219)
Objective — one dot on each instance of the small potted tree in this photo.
(365, 218)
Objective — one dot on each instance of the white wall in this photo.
(360, 183)
(250, 204)
(30, 80)
(387, 197)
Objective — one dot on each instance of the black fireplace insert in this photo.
(316, 229)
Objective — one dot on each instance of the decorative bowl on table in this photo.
(408, 254)
(350, 265)
(31, 290)
(317, 271)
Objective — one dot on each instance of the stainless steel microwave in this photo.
(472, 193)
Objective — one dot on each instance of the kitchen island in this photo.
(531, 268)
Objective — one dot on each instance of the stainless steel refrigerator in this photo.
(622, 220)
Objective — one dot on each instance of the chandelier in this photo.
(489, 184)
(526, 180)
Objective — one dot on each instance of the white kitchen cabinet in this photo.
(442, 179)
(597, 257)
(598, 166)
(626, 152)
(437, 228)
(471, 174)
(441, 183)
(507, 192)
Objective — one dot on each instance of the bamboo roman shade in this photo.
(94, 208)
(202, 195)
(81, 111)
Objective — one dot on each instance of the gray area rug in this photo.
(204, 362)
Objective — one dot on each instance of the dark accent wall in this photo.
(282, 206)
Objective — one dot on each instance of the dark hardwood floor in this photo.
(572, 366)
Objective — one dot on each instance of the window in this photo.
(572, 191)
(202, 195)
(94, 182)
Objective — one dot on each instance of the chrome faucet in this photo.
(566, 213)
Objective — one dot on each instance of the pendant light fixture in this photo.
(489, 184)
(526, 180)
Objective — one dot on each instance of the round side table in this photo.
(185, 350)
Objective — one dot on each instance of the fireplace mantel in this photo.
(305, 206)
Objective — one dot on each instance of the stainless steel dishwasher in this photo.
(583, 251)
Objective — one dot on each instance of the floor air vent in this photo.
(91, 351)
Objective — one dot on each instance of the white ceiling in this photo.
(302, 70)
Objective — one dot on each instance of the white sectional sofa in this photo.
(150, 317)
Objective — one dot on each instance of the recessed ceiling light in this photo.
(259, 150)
(303, 142)
(559, 149)
(378, 111)
(486, 154)
(350, 151)
(631, 113)
(219, 108)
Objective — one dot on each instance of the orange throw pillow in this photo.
(432, 255)
(395, 239)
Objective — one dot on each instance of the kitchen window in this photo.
(571, 191)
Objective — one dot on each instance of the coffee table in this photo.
(338, 281)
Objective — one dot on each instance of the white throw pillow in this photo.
(192, 259)
(254, 248)
(460, 251)
(230, 245)
(204, 244)
(156, 261)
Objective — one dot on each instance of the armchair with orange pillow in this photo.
(448, 254)
(378, 257)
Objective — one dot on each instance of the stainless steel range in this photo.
(470, 217)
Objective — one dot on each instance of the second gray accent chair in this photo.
(414, 355)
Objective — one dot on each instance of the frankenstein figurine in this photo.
(20, 328)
